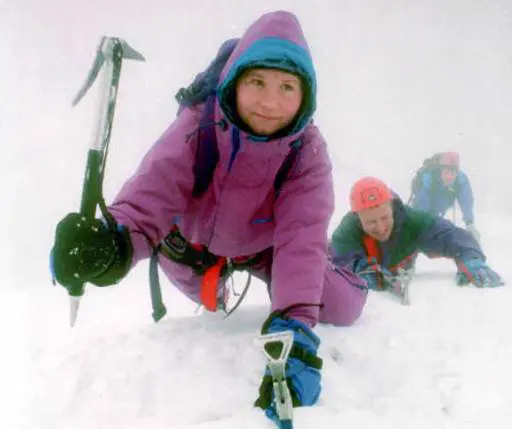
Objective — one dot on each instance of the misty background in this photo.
(398, 81)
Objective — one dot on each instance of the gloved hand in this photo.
(370, 271)
(302, 369)
(477, 272)
(86, 250)
(474, 232)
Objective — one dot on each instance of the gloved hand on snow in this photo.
(474, 232)
(302, 368)
(377, 277)
(368, 270)
(476, 272)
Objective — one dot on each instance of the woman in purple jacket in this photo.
(264, 104)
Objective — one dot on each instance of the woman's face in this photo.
(268, 100)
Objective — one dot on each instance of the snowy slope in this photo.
(442, 362)
(398, 81)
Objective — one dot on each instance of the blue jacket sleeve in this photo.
(444, 238)
(465, 198)
(421, 199)
(345, 247)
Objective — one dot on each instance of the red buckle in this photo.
(210, 283)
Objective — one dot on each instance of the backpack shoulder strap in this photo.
(202, 90)
(287, 165)
(207, 151)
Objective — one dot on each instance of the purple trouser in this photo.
(344, 293)
(343, 298)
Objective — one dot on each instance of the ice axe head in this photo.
(110, 49)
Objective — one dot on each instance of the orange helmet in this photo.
(449, 159)
(369, 192)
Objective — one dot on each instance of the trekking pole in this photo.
(109, 56)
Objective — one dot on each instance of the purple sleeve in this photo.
(303, 211)
(161, 188)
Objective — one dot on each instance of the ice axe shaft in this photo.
(108, 61)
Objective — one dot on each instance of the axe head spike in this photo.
(129, 53)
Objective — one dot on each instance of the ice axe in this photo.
(277, 347)
(398, 284)
(109, 57)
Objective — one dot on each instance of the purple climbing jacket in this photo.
(240, 213)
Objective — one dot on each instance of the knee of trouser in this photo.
(344, 314)
(343, 299)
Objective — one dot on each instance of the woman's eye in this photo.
(256, 82)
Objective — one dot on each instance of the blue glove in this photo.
(302, 369)
(477, 272)
(372, 273)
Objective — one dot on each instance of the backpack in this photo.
(203, 90)
(429, 164)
